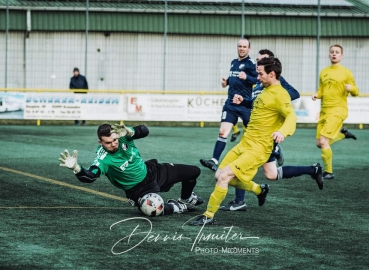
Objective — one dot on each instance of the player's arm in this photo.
(70, 162)
(351, 86)
(239, 100)
(285, 107)
(294, 94)
(137, 132)
(84, 175)
(319, 93)
(252, 75)
(88, 175)
(140, 131)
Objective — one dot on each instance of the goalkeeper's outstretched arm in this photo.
(136, 132)
(88, 175)
(141, 131)
(84, 175)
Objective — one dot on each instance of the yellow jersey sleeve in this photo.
(286, 109)
(351, 80)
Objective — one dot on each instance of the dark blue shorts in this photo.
(231, 113)
(272, 155)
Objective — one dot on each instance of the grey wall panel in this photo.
(134, 61)
(51, 57)
(16, 72)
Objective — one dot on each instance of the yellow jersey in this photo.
(332, 91)
(272, 111)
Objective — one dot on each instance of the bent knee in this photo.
(222, 178)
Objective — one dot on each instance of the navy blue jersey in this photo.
(294, 94)
(238, 86)
(248, 103)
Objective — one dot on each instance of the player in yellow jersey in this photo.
(272, 119)
(335, 84)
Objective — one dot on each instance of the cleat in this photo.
(263, 194)
(234, 206)
(234, 136)
(327, 175)
(318, 176)
(203, 220)
(194, 199)
(209, 163)
(348, 134)
(183, 207)
(279, 156)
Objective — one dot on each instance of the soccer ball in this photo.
(152, 204)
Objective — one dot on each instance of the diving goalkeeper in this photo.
(120, 161)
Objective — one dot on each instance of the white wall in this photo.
(130, 61)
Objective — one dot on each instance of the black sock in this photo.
(294, 171)
(168, 209)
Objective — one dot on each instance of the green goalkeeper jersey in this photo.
(124, 168)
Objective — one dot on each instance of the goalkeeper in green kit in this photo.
(119, 160)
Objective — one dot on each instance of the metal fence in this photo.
(162, 61)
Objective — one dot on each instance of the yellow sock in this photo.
(215, 200)
(339, 137)
(255, 188)
(235, 129)
(327, 159)
(250, 186)
(244, 128)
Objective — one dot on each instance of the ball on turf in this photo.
(152, 204)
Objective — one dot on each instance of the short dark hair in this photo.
(75, 69)
(103, 130)
(266, 51)
(271, 64)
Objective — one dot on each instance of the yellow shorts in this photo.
(329, 125)
(244, 162)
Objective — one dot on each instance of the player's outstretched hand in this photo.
(69, 161)
(314, 96)
(119, 131)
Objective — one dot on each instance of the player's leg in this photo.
(278, 153)
(235, 132)
(245, 168)
(238, 204)
(347, 134)
(343, 134)
(329, 129)
(273, 173)
(155, 182)
(219, 192)
(170, 174)
(227, 122)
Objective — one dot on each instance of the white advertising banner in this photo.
(207, 108)
(147, 107)
(71, 106)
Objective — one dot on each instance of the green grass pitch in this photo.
(49, 220)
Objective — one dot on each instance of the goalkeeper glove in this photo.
(69, 161)
(119, 131)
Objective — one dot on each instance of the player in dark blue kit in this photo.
(270, 170)
(242, 76)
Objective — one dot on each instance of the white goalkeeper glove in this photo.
(69, 161)
(119, 131)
